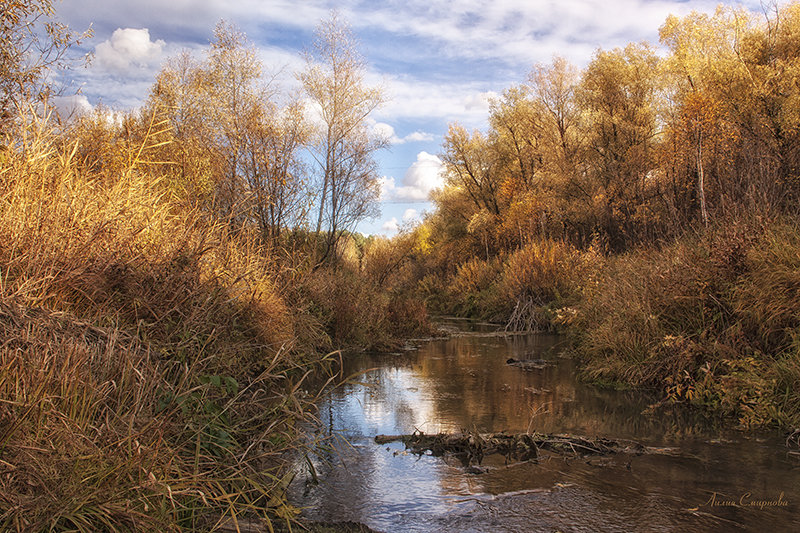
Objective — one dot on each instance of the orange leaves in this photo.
(700, 111)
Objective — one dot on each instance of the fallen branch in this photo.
(521, 447)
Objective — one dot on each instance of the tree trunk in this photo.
(701, 179)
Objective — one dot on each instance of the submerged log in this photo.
(519, 447)
(529, 364)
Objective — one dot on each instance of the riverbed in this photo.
(708, 478)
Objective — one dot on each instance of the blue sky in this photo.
(440, 61)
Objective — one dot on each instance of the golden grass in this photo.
(149, 378)
(711, 320)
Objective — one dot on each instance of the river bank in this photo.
(152, 357)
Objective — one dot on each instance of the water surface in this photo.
(464, 384)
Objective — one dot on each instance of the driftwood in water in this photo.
(529, 364)
(522, 447)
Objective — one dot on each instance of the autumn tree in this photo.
(699, 137)
(554, 87)
(232, 83)
(742, 66)
(619, 94)
(32, 45)
(343, 145)
(521, 155)
(767, 110)
(516, 122)
(232, 147)
(195, 158)
(274, 172)
(470, 163)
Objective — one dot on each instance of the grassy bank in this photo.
(711, 320)
(152, 357)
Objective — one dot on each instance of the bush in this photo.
(711, 320)
(539, 280)
(470, 291)
(355, 313)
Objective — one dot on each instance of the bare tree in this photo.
(273, 169)
(343, 146)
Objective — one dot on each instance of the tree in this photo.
(232, 81)
(554, 88)
(619, 93)
(517, 127)
(470, 164)
(343, 146)
(31, 45)
(233, 147)
(181, 97)
(273, 169)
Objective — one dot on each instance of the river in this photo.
(711, 479)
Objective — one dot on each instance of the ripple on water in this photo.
(463, 384)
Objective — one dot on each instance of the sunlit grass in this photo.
(149, 377)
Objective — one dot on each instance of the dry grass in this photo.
(149, 378)
(711, 320)
(523, 288)
(355, 313)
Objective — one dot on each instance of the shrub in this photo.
(537, 279)
(709, 320)
(356, 313)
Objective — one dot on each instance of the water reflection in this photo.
(464, 384)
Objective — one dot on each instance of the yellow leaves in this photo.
(700, 110)
(699, 40)
(422, 239)
(481, 222)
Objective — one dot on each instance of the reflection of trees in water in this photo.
(464, 383)
(473, 389)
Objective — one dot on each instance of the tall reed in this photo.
(149, 378)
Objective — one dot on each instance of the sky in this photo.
(439, 61)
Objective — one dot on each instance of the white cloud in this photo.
(479, 101)
(387, 186)
(128, 48)
(522, 31)
(422, 177)
(440, 60)
(390, 226)
(386, 131)
(414, 98)
(410, 214)
(74, 105)
(418, 136)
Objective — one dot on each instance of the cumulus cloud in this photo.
(128, 48)
(390, 226)
(410, 214)
(386, 131)
(418, 136)
(454, 54)
(479, 101)
(422, 177)
(74, 105)
(387, 185)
